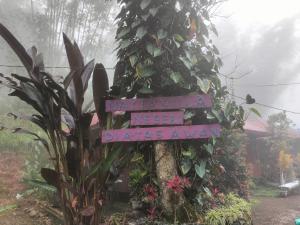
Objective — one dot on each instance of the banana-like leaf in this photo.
(21, 95)
(119, 71)
(100, 88)
(76, 65)
(74, 55)
(51, 177)
(17, 48)
(86, 74)
(104, 165)
(40, 184)
(37, 137)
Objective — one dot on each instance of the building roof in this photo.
(256, 125)
(260, 127)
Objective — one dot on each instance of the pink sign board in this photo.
(161, 133)
(159, 103)
(157, 118)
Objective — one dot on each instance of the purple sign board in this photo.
(161, 133)
(159, 103)
(157, 118)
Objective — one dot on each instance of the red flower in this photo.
(151, 192)
(152, 213)
(177, 184)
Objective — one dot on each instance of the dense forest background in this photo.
(42, 22)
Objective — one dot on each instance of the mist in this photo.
(263, 51)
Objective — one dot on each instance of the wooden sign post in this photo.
(170, 118)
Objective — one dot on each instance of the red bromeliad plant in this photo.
(177, 184)
(81, 164)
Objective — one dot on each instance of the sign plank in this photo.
(162, 133)
(159, 103)
(157, 118)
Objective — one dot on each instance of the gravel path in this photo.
(276, 211)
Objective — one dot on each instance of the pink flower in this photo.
(151, 192)
(177, 184)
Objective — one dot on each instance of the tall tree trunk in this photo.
(166, 169)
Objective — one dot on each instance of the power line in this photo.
(268, 106)
(269, 85)
(48, 67)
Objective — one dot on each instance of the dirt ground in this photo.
(276, 211)
(267, 211)
(26, 211)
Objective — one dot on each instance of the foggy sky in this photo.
(262, 39)
(261, 36)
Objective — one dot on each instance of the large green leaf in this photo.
(201, 169)
(153, 50)
(161, 34)
(209, 148)
(141, 32)
(186, 166)
(176, 77)
(204, 84)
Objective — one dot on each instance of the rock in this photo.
(33, 213)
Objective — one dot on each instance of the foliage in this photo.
(7, 207)
(279, 140)
(11, 142)
(81, 164)
(231, 153)
(263, 190)
(88, 22)
(285, 160)
(165, 49)
(234, 211)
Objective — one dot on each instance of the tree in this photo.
(88, 22)
(279, 140)
(165, 50)
(231, 153)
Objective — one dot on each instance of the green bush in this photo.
(235, 211)
(15, 142)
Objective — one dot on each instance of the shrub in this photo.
(234, 211)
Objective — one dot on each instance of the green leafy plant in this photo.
(234, 211)
(81, 165)
(231, 153)
(165, 49)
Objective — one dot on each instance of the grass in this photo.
(261, 190)
(16, 142)
(7, 208)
